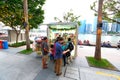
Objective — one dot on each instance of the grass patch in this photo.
(103, 63)
(18, 44)
(26, 51)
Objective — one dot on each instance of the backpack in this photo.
(70, 46)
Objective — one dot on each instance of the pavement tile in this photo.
(72, 68)
(65, 78)
(72, 76)
(72, 72)
(91, 74)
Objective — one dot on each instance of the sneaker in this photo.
(59, 74)
(45, 67)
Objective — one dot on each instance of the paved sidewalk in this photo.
(111, 54)
(75, 72)
(14, 66)
(80, 70)
(12, 50)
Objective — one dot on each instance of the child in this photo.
(52, 51)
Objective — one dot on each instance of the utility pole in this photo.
(99, 32)
(26, 24)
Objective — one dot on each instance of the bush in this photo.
(19, 44)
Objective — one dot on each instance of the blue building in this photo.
(88, 28)
(95, 24)
(109, 26)
(105, 26)
(82, 28)
(118, 26)
(114, 27)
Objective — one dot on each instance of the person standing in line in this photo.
(58, 56)
(45, 51)
(69, 46)
(64, 55)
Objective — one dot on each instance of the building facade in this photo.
(95, 24)
(105, 26)
(82, 28)
(88, 28)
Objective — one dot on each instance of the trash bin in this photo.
(5, 44)
(1, 45)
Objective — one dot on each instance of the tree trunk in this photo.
(99, 31)
(17, 35)
(27, 40)
(26, 24)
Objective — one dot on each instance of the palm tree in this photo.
(99, 31)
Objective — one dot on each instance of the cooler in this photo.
(5, 44)
(1, 45)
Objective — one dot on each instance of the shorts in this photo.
(45, 56)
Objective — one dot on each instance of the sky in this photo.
(57, 8)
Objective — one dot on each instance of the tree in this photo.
(11, 13)
(98, 36)
(25, 2)
(69, 17)
(110, 10)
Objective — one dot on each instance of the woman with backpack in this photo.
(70, 46)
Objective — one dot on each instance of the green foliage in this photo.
(18, 44)
(69, 17)
(36, 14)
(29, 51)
(71, 28)
(11, 12)
(110, 32)
(111, 10)
(103, 63)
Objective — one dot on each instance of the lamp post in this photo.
(26, 24)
